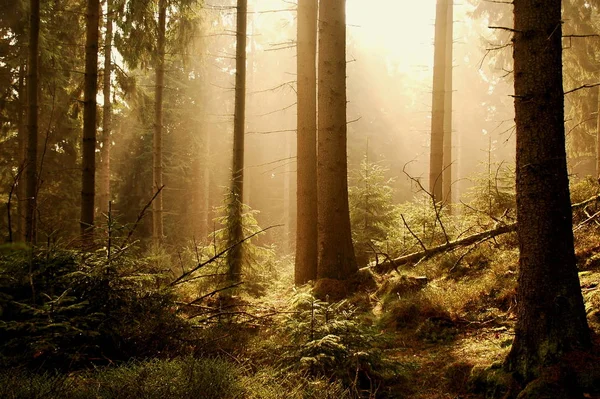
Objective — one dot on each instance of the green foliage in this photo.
(157, 379)
(371, 209)
(493, 194)
(64, 309)
(329, 340)
(258, 261)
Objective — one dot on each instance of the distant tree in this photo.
(438, 103)
(447, 157)
(306, 223)
(336, 252)
(234, 257)
(88, 163)
(32, 122)
(104, 172)
(551, 319)
(157, 152)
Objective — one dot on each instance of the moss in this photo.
(492, 382)
(457, 376)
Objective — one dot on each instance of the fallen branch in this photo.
(392, 264)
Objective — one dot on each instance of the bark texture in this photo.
(104, 175)
(306, 192)
(88, 162)
(32, 122)
(336, 252)
(551, 318)
(447, 156)
(157, 167)
(234, 257)
(436, 155)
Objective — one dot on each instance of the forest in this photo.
(300, 199)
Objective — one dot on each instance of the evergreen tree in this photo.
(551, 319)
(336, 252)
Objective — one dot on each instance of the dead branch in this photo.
(393, 264)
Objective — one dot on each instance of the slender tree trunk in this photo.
(306, 191)
(598, 137)
(551, 319)
(157, 167)
(234, 257)
(22, 138)
(336, 252)
(32, 122)
(447, 156)
(88, 163)
(436, 161)
(104, 187)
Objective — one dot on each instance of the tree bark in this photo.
(336, 259)
(22, 138)
(551, 317)
(88, 162)
(306, 191)
(157, 168)
(436, 156)
(104, 186)
(447, 155)
(234, 257)
(32, 123)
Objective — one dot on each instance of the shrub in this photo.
(66, 309)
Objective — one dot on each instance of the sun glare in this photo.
(402, 30)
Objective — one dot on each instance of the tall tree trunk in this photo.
(88, 163)
(104, 186)
(32, 122)
(234, 257)
(22, 138)
(551, 318)
(447, 155)
(436, 160)
(598, 136)
(336, 252)
(157, 168)
(306, 191)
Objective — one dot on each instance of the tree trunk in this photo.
(598, 136)
(234, 257)
(157, 168)
(32, 123)
(436, 160)
(306, 191)
(104, 186)
(22, 138)
(447, 155)
(88, 162)
(336, 252)
(551, 318)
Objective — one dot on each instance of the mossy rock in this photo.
(457, 376)
(492, 382)
(546, 388)
(402, 285)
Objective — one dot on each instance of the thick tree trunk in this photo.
(336, 252)
(447, 156)
(306, 191)
(436, 156)
(104, 175)
(234, 257)
(551, 318)
(32, 123)
(157, 168)
(88, 162)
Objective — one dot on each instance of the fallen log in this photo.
(392, 264)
